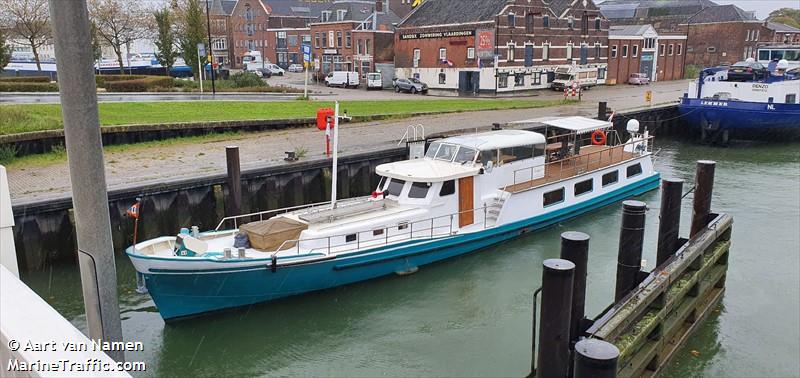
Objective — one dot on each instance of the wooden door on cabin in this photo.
(466, 203)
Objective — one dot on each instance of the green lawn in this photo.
(36, 117)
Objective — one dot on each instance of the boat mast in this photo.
(335, 171)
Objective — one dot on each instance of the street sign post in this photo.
(648, 97)
(306, 60)
(201, 51)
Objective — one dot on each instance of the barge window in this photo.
(446, 152)
(377, 232)
(791, 98)
(584, 187)
(634, 170)
(448, 188)
(610, 178)
(419, 190)
(510, 154)
(350, 238)
(402, 225)
(553, 197)
(538, 150)
(395, 187)
(465, 155)
(487, 156)
(432, 150)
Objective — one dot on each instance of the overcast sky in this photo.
(762, 7)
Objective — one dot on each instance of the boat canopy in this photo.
(497, 139)
(426, 170)
(578, 125)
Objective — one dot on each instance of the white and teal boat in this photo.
(468, 192)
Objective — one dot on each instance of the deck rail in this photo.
(260, 214)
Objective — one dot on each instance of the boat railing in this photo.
(261, 214)
(581, 163)
(424, 229)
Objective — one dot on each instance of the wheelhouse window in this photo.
(395, 187)
(488, 156)
(448, 188)
(634, 170)
(419, 190)
(446, 152)
(510, 154)
(553, 197)
(610, 178)
(584, 187)
(465, 155)
(431, 153)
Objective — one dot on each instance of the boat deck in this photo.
(589, 159)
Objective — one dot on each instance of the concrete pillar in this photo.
(575, 248)
(8, 252)
(595, 359)
(553, 359)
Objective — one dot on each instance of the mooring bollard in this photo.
(631, 240)
(575, 248)
(669, 219)
(602, 108)
(234, 181)
(703, 187)
(595, 359)
(553, 359)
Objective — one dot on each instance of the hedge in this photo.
(28, 87)
(25, 79)
(139, 85)
(101, 80)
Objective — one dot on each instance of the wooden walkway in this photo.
(589, 159)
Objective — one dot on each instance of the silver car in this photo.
(410, 85)
(638, 79)
(296, 68)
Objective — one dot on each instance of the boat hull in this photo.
(180, 292)
(713, 115)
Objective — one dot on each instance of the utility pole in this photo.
(76, 84)
(210, 49)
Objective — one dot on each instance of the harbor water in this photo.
(471, 316)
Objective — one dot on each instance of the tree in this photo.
(788, 16)
(119, 22)
(194, 32)
(5, 50)
(97, 50)
(28, 20)
(165, 42)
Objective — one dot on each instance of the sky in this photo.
(762, 7)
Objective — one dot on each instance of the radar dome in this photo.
(633, 126)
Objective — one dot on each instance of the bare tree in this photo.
(119, 22)
(28, 20)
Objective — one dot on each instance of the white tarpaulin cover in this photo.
(579, 125)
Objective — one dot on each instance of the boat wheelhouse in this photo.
(466, 193)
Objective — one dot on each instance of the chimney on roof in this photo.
(379, 6)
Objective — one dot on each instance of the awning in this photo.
(579, 125)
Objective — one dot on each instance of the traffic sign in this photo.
(306, 53)
(648, 96)
(201, 48)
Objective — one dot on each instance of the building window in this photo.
(597, 23)
(442, 78)
(442, 54)
(661, 49)
(624, 51)
(570, 46)
(680, 49)
(570, 23)
(610, 178)
(546, 21)
(614, 52)
(324, 40)
(340, 14)
(511, 50)
(758, 34)
(512, 20)
(671, 49)
(536, 78)
(338, 39)
(597, 51)
(584, 187)
(529, 23)
(546, 51)
(553, 197)
(649, 43)
(326, 16)
(366, 46)
(416, 57)
(502, 80)
(519, 80)
(316, 40)
(634, 170)
(331, 39)
(710, 49)
(584, 24)
(358, 47)
(347, 39)
(635, 51)
(470, 53)
(747, 36)
(601, 73)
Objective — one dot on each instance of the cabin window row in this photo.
(417, 190)
(587, 186)
(509, 154)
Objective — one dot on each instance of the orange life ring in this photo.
(598, 138)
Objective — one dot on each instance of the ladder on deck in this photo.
(495, 206)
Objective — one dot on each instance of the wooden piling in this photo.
(234, 201)
(602, 108)
(631, 240)
(595, 359)
(553, 359)
(669, 219)
(703, 187)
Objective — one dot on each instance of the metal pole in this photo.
(703, 187)
(234, 180)
(210, 49)
(553, 358)
(669, 219)
(575, 248)
(199, 70)
(305, 85)
(595, 359)
(87, 171)
(631, 239)
(335, 172)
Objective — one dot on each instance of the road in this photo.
(138, 165)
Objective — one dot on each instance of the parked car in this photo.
(342, 79)
(638, 79)
(262, 72)
(747, 71)
(296, 68)
(274, 69)
(374, 80)
(410, 85)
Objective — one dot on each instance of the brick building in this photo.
(499, 45)
(666, 16)
(354, 35)
(640, 49)
(784, 34)
(723, 34)
(221, 31)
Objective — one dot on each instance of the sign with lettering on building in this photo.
(430, 35)
(484, 43)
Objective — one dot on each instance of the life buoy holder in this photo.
(598, 138)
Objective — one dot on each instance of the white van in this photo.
(374, 81)
(585, 77)
(342, 79)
